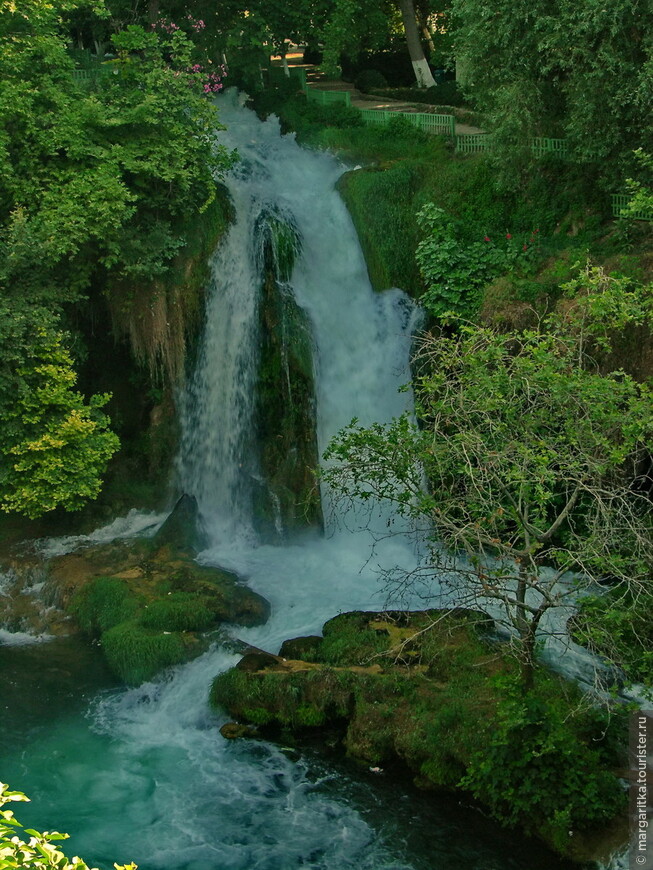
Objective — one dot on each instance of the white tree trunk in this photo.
(423, 74)
(422, 71)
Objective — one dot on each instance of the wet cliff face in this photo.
(288, 497)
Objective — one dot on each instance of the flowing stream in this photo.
(143, 774)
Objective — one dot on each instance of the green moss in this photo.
(448, 704)
(102, 604)
(257, 715)
(137, 654)
(177, 612)
(349, 641)
(308, 715)
(297, 700)
(286, 424)
(150, 615)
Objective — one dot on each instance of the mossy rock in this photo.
(148, 604)
(182, 530)
(285, 410)
(429, 691)
(136, 654)
(301, 647)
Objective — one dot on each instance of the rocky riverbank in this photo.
(144, 600)
(436, 693)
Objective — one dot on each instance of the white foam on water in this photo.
(134, 524)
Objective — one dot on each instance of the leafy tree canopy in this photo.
(581, 69)
(54, 444)
(532, 455)
(98, 173)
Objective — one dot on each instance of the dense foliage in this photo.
(533, 458)
(55, 444)
(455, 271)
(580, 70)
(96, 179)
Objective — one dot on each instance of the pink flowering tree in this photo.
(203, 72)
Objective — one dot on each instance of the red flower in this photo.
(508, 236)
(525, 248)
(486, 239)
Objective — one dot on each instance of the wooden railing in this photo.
(620, 201)
(475, 143)
(440, 125)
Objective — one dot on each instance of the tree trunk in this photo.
(428, 38)
(527, 629)
(421, 68)
(528, 660)
(427, 34)
(284, 62)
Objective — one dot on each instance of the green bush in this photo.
(446, 93)
(535, 767)
(368, 79)
(456, 271)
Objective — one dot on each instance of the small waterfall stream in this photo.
(143, 774)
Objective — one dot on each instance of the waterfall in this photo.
(146, 776)
(362, 339)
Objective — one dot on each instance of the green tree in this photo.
(351, 25)
(580, 69)
(37, 851)
(54, 445)
(532, 457)
(97, 177)
(99, 180)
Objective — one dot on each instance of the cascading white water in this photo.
(152, 780)
(148, 777)
(362, 338)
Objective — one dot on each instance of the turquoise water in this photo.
(165, 807)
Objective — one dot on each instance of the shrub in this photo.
(445, 94)
(455, 271)
(537, 737)
(368, 79)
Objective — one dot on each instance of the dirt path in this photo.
(366, 101)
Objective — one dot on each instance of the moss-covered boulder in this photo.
(285, 417)
(437, 692)
(148, 604)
